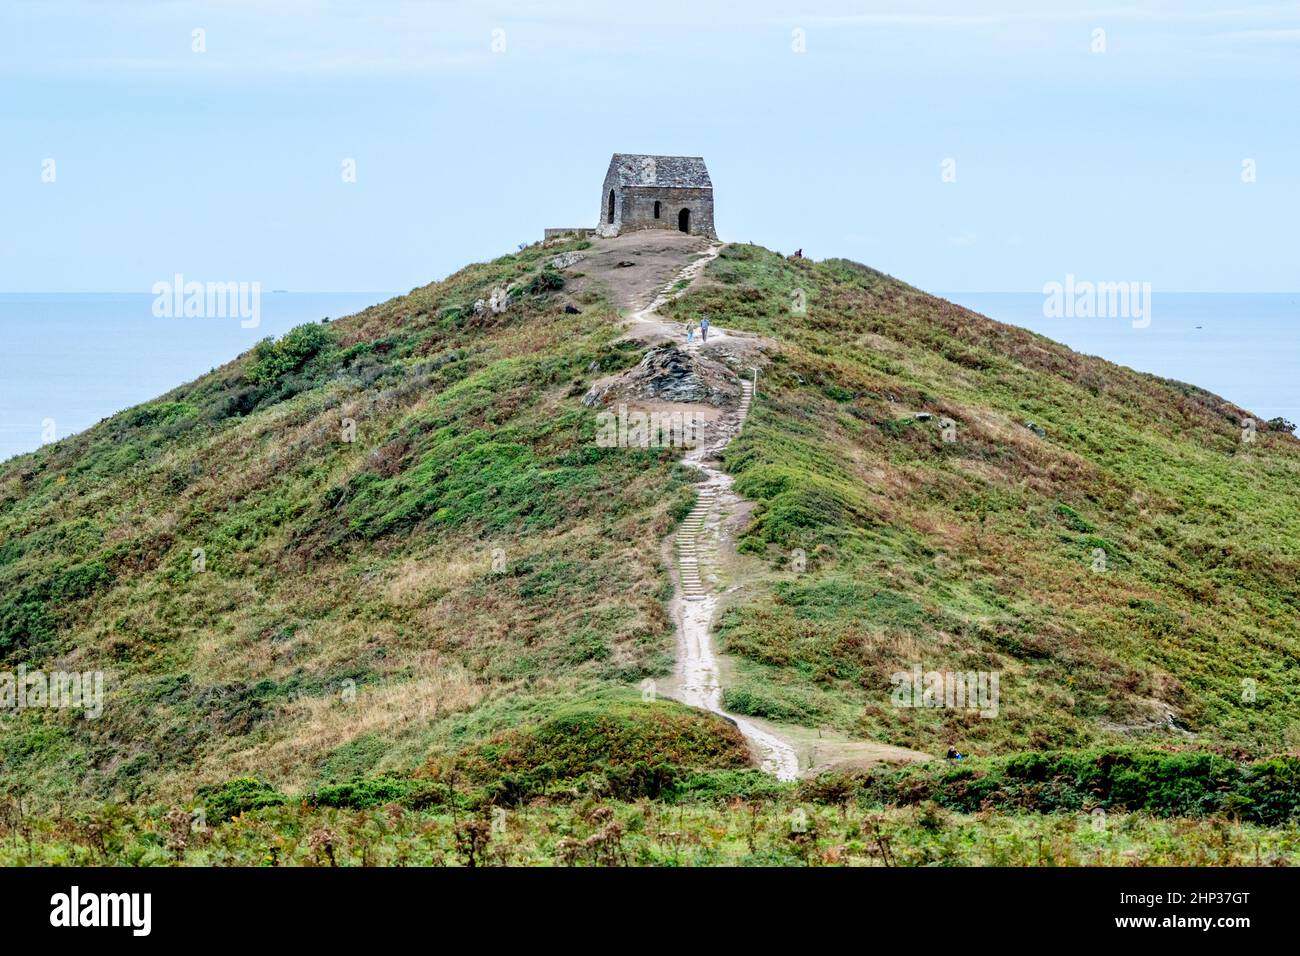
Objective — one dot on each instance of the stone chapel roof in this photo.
(673, 172)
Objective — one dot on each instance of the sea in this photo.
(1244, 347)
(69, 360)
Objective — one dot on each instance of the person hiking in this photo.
(690, 331)
(704, 328)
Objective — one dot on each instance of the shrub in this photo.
(755, 702)
(548, 280)
(1075, 520)
(361, 794)
(273, 359)
(1123, 780)
(1269, 792)
(241, 795)
(726, 785)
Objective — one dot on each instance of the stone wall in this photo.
(638, 209)
(579, 232)
(634, 209)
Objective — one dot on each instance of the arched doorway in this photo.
(684, 220)
(611, 206)
(656, 208)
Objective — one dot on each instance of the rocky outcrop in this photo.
(566, 259)
(669, 374)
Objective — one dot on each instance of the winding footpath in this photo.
(699, 684)
(696, 545)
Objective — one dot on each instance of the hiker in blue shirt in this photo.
(704, 328)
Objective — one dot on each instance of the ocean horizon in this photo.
(1242, 346)
(72, 359)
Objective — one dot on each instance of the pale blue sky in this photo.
(225, 165)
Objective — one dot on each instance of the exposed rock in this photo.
(572, 310)
(1154, 717)
(497, 301)
(596, 394)
(566, 259)
(1038, 430)
(923, 416)
(669, 374)
(624, 263)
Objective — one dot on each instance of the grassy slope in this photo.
(333, 565)
(977, 554)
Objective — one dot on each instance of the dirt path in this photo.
(698, 681)
(701, 551)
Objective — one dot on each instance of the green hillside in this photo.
(463, 595)
(979, 553)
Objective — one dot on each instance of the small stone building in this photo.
(656, 192)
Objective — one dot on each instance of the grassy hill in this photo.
(444, 595)
(978, 554)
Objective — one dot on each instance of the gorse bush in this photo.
(548, 280)
(364, 793)
(273, 359)
(242, 795)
